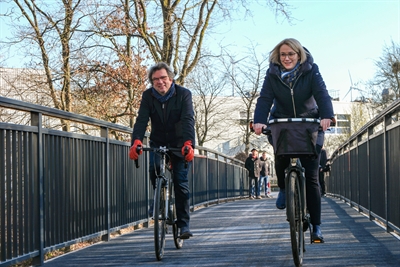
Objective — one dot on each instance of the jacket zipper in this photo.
(291, 93)
(164, 113)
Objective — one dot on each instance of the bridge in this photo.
(61, 188)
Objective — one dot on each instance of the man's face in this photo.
(161, 81)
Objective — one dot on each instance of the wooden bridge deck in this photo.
(250, 233)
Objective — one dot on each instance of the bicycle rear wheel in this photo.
(178, 242)
(295, 216)
(160, 222)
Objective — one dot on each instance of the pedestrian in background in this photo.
(253, 165)
(264, 175)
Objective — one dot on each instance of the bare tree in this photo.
(385, 87)
(247, 79)
(117, 75)
(50, 29)
(207, 84)
(174, 31)
(83, 72)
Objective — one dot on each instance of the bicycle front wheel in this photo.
(177, 241)
(160, 222)
(295, 216)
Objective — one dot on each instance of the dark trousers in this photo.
(322, 182)
(256, 187)
(313, 195)
(181, 185)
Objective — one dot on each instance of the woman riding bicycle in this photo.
(170, 110)
(294, 88)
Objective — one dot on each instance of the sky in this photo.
(345, 37)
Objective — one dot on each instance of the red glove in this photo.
(187, 151)
(133, 153)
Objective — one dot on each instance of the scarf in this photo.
(164, 98)
(289, 76)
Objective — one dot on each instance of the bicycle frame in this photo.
(284, 139)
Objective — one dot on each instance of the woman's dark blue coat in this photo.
(311, 99)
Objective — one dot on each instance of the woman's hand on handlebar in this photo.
(325, 123)
(258, 128)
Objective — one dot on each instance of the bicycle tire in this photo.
(160, 222)
(177, 241)
(295, 217)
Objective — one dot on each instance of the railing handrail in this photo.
(57, 113)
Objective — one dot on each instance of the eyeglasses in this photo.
(162, 78)
(289, 55)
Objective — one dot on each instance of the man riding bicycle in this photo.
(170, 110)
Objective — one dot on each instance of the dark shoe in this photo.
(317, 235)
(281, 200)
(185, 233)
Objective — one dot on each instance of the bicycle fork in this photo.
(295, 165)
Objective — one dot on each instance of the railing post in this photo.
(104, 133)
(192, 189)
(36, 120)
(387, 122)
(226, 176)
(207, 177)
(218, 176)
(358, 178)
(370, 132)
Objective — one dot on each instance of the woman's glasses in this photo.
(289, 55)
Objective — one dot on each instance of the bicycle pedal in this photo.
(318, 241)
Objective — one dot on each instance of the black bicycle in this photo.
(164, 210)
(293, 138)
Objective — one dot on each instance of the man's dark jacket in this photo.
(172, 123)
(253, 166)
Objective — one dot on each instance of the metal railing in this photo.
(60, 188)
(365, 170)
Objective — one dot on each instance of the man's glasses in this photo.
(289, 55)
(162, 78)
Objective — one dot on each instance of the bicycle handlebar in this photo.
(267, 131)
(161, 150)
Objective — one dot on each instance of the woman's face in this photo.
(288, 57)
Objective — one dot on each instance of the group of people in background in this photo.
(259, 170)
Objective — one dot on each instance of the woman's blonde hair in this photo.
(274, 55)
